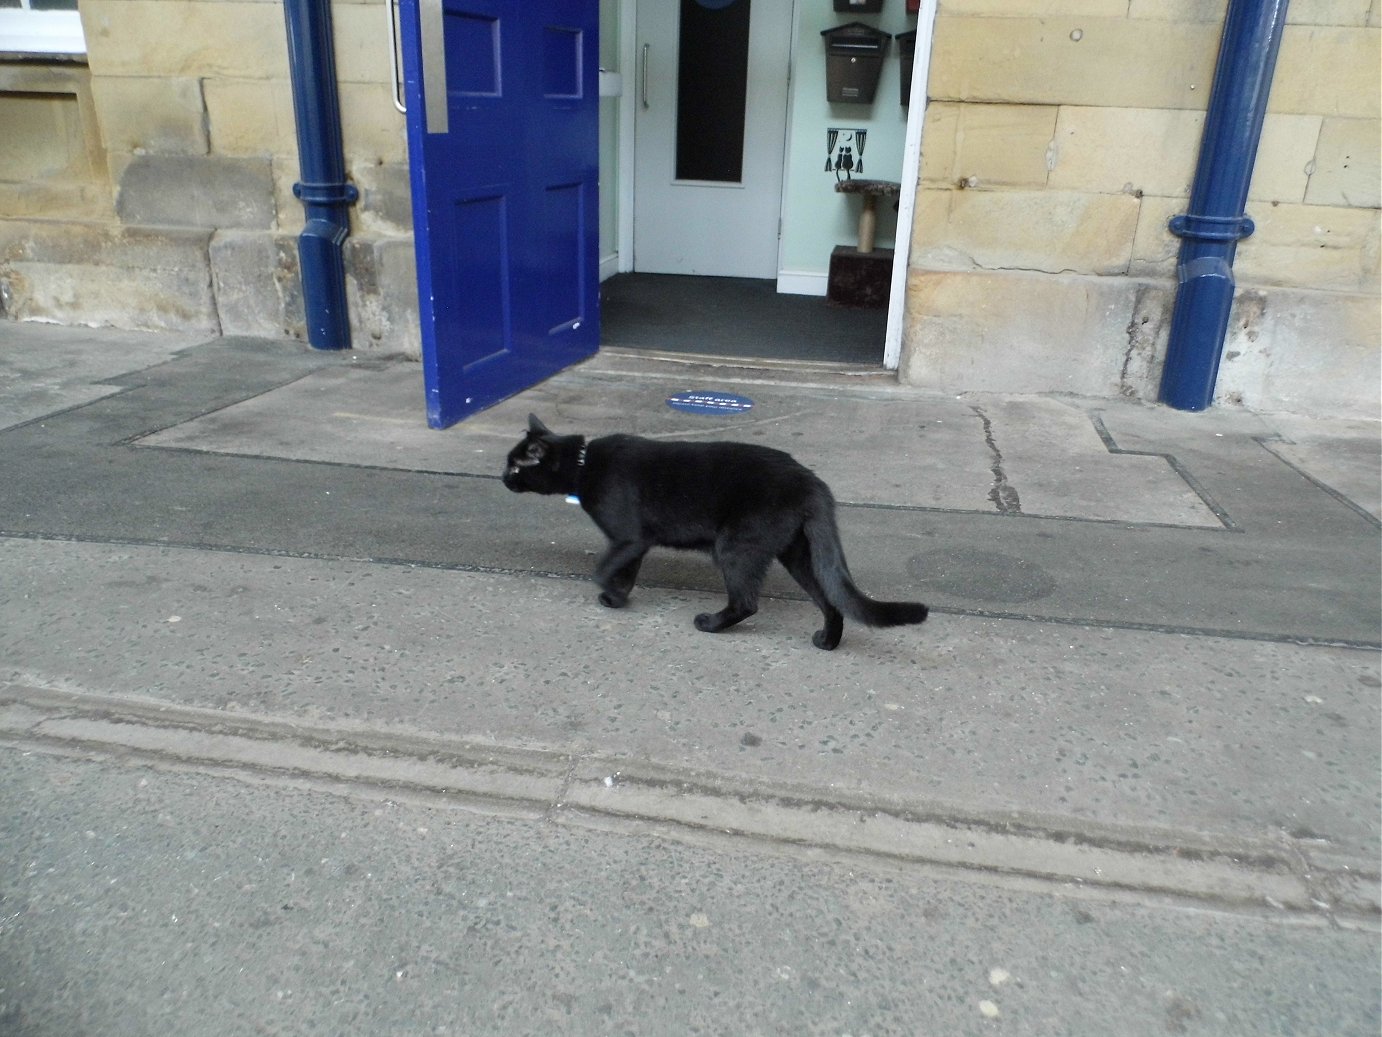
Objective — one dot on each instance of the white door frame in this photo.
(911, 180)
(628, 65)
(911, 159)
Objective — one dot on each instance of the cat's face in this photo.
(532, 465)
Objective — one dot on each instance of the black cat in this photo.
(744, 504)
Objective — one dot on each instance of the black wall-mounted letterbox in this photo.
(906, 53)
(853, 62)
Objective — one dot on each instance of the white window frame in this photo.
(23, 31)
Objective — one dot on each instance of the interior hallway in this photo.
(735, 316)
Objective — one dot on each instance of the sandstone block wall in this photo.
(1061, 136)
(152, 188)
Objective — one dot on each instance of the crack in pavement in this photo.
(1002, 493)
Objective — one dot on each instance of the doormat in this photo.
(709, 402)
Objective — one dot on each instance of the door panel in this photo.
(504, 193)
(727, 224)
(477, 319)
(565, 224)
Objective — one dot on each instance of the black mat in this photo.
(735, 316)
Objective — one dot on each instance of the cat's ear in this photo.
(536, 427)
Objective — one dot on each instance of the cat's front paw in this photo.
(613, 599)
(822, 639)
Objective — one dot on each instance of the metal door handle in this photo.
(433, 64)
(646, 47)
(393, 58)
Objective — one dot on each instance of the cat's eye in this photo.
(533, 455)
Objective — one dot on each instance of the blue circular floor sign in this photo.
(701, 402)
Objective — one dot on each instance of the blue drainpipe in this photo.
(323, 190)
(1211, 230)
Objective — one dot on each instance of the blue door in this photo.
(502, 137)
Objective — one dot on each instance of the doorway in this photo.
(700, 247)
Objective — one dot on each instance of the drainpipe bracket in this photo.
(1211, 228)
(326, 194)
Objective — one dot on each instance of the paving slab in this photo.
(155, 901)
(1149, 684)
(46, 368)
(963, 716)
(871, 446)
(1340, 455)
(92, 473)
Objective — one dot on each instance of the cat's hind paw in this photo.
(613, 600)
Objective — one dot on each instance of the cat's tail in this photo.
(831, 572)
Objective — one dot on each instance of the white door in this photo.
(710, 127)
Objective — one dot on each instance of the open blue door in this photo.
(503, 146)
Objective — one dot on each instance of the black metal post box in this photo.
(853, 62)
(906, 49)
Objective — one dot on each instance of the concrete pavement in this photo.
(250, 606)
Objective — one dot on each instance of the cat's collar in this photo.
(575, 498)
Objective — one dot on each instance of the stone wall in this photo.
(153, 189)
(1062, 135)
(156, 187)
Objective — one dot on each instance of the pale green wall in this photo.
(815, 218)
